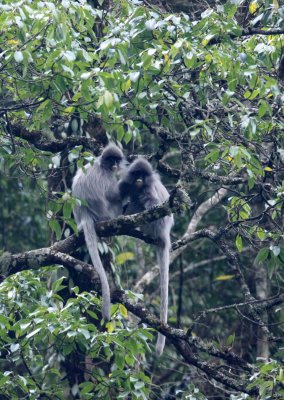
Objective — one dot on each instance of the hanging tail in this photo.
(92, 244)
(163, 256)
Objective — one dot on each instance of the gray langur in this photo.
(144, 189)
(98, 187)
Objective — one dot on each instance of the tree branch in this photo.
(54, 146)
(186, 344)
(180, 339)
(249, 32)
(123, 225)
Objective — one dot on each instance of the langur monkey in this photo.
(98, 187)
(144, 189)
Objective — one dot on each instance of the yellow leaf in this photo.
(166, 58)
(100, 102)
(276, 4)
(207, 39)
(69, 110)
(123, 257)
(123, 310)
(224, 277)
(110, 327)
(253, 7)
(108, 98)
(208, 58)
(127, 85)
(13, 41)
(268, 169)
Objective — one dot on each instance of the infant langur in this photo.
(98, 187)
(144, 189)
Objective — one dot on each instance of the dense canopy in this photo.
(197, 89)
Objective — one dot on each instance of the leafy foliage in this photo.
(39, 332)
(200, 93)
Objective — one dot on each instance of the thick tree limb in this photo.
(34, 259)
(54, 146)
(123, 225)
(249, 32)
(260, 31)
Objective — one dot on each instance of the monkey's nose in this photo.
(114, 167)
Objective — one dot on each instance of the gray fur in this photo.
(152, 192)
(98, 187)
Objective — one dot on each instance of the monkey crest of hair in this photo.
(97, 185)
(144, 190)
(111, 154)
(141, 165)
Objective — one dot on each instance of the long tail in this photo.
(163, 256)
(92, 244)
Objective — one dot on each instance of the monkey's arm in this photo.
(113, 195)
(132, 208)
(124, 189)
(98, 209)
(150, 200)
(157, 195)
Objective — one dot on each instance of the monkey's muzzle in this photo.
(114, 167)
(139, 182)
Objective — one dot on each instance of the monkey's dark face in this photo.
(111, 158)
(140, 174)
(112, 163)
(139, 179)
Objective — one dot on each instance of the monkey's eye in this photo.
(116, 161)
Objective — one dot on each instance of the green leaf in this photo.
(55, 227)
(92, 314)
(261, 233)
(5, 321)
(230, 340)
(129, 360)
(139, 385)
(119, 360)
(56, 286)
(67, 210)
(33, 333)
(85, 333)
(262, 109)
(127, 136)
(262, 255)
(239, 243)
(86, 387)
